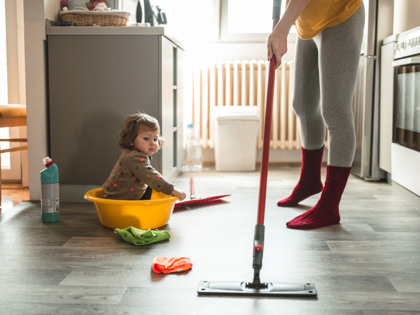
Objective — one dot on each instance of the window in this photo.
(4, 132)
(3, 55)
(246, 20)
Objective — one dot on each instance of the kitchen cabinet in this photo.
(97, 77)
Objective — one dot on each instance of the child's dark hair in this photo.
(131, 128)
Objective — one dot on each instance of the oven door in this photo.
(406, 125)
(405, 148)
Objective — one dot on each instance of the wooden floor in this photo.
(368, 264)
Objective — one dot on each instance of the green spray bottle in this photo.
(50, 197)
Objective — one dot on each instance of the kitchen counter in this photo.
(52, 29)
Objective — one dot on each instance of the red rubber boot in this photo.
(326, 210)
(310, 178)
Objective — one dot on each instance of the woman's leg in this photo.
(306, 95)
(339, 51)
(312, 129)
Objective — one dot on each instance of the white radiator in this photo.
(244, 83)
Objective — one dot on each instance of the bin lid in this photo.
(237, 113)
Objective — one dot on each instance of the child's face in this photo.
(147, 141)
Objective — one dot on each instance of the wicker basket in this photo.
(100, 18)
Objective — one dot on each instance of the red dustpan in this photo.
(196, 201)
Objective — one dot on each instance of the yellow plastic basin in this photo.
(142, 214)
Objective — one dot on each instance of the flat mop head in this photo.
(242, 288)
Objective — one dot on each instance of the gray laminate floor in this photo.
(368, 264)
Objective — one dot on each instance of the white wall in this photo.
(36, 96)
(35, 86)
(51, 9)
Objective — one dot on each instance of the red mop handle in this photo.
(267, 131)
(266, 142)
(192, 190)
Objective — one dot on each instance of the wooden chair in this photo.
(12, 115)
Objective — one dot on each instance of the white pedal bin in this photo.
(236, 131)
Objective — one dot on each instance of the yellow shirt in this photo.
(320, 14)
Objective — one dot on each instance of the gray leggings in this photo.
(325, 76)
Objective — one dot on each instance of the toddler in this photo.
(133, 177)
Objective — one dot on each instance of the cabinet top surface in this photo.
(52, 30)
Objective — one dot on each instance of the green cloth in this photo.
(139, 237)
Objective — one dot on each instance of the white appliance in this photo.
(378, 25)
(406, 122)
(386, 100)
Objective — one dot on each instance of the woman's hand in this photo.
(277, 41)
(179, 194)
(277, 45)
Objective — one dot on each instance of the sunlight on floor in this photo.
(12, 195)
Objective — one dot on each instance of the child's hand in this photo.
(179, 194)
